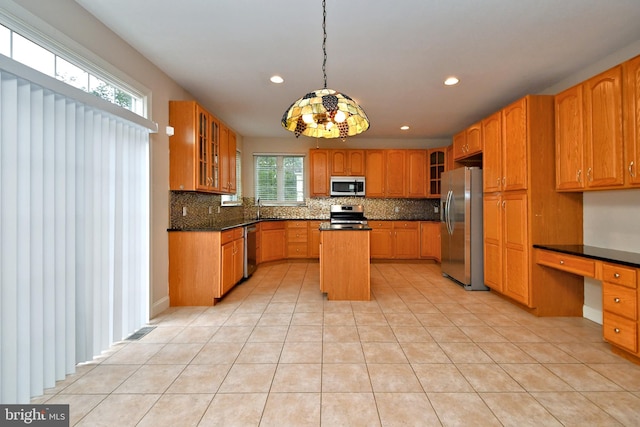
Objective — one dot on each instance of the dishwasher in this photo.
(250, 258)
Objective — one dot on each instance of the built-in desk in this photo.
(618, 271)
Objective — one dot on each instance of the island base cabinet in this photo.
(344, 265)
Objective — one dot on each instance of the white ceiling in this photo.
(390, 56)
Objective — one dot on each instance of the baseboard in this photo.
(592, 314)
(159, 306)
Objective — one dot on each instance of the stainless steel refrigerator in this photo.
(461, 224)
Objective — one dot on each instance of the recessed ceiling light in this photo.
(450, 81)
(405, 127)
(276, 79)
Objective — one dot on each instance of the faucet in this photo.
(258, 213)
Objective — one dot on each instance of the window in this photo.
(235, 199)
(279, 179)
(44, 58)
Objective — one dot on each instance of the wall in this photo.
(71, 20)
(610, 217)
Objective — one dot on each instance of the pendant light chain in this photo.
(325, 113)
(324, 41)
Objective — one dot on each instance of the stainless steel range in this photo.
(347, 216)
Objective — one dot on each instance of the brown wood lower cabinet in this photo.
(395, 239)
(272, 241)
(430, 238)
(204, 265)
(297, 238)
(314, 239)
(232, 265)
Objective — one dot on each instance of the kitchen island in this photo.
(345, 262)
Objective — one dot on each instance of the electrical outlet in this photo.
(218, 209)
(210, 210)
(184, 211)
(436, 209)
(397, 209)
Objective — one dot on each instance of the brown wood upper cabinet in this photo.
(347, 162)
(416, 167)
(517, 130)
(492, 153)
(590, 143)
(505, 155)
(318, 173)
(438, 163)
(375, 173)
(227, 160)
(631, 92)
(202, 151)
(468, 142)
(396, 173)
(401, 173)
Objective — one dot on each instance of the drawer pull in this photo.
(616, 330)
(616, 275)
(561, 262)
(616, 300)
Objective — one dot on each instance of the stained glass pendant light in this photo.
(325, 113)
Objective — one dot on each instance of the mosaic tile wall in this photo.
(202, 209)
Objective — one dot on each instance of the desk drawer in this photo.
(613, 273)
(620, 331)
(569, 263)
(619, 300)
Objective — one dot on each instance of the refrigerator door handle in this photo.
(448, 214)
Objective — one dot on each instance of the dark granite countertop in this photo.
(219, 227)
(240, 223)
(631, 259)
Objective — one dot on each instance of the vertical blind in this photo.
(74, 234)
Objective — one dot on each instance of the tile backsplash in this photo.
(201, 210)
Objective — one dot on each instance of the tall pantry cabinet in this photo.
(522, 208)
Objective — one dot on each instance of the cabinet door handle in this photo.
(561, 262)
(616, 300)
(589, 177)
(616, 275)
(579, 176)
(616, 330)
(631, 173)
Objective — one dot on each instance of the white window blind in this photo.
(279, 179)
(74, 231)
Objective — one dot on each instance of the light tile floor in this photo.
(422, 352)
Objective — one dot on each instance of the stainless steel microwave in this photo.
(347, 186)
